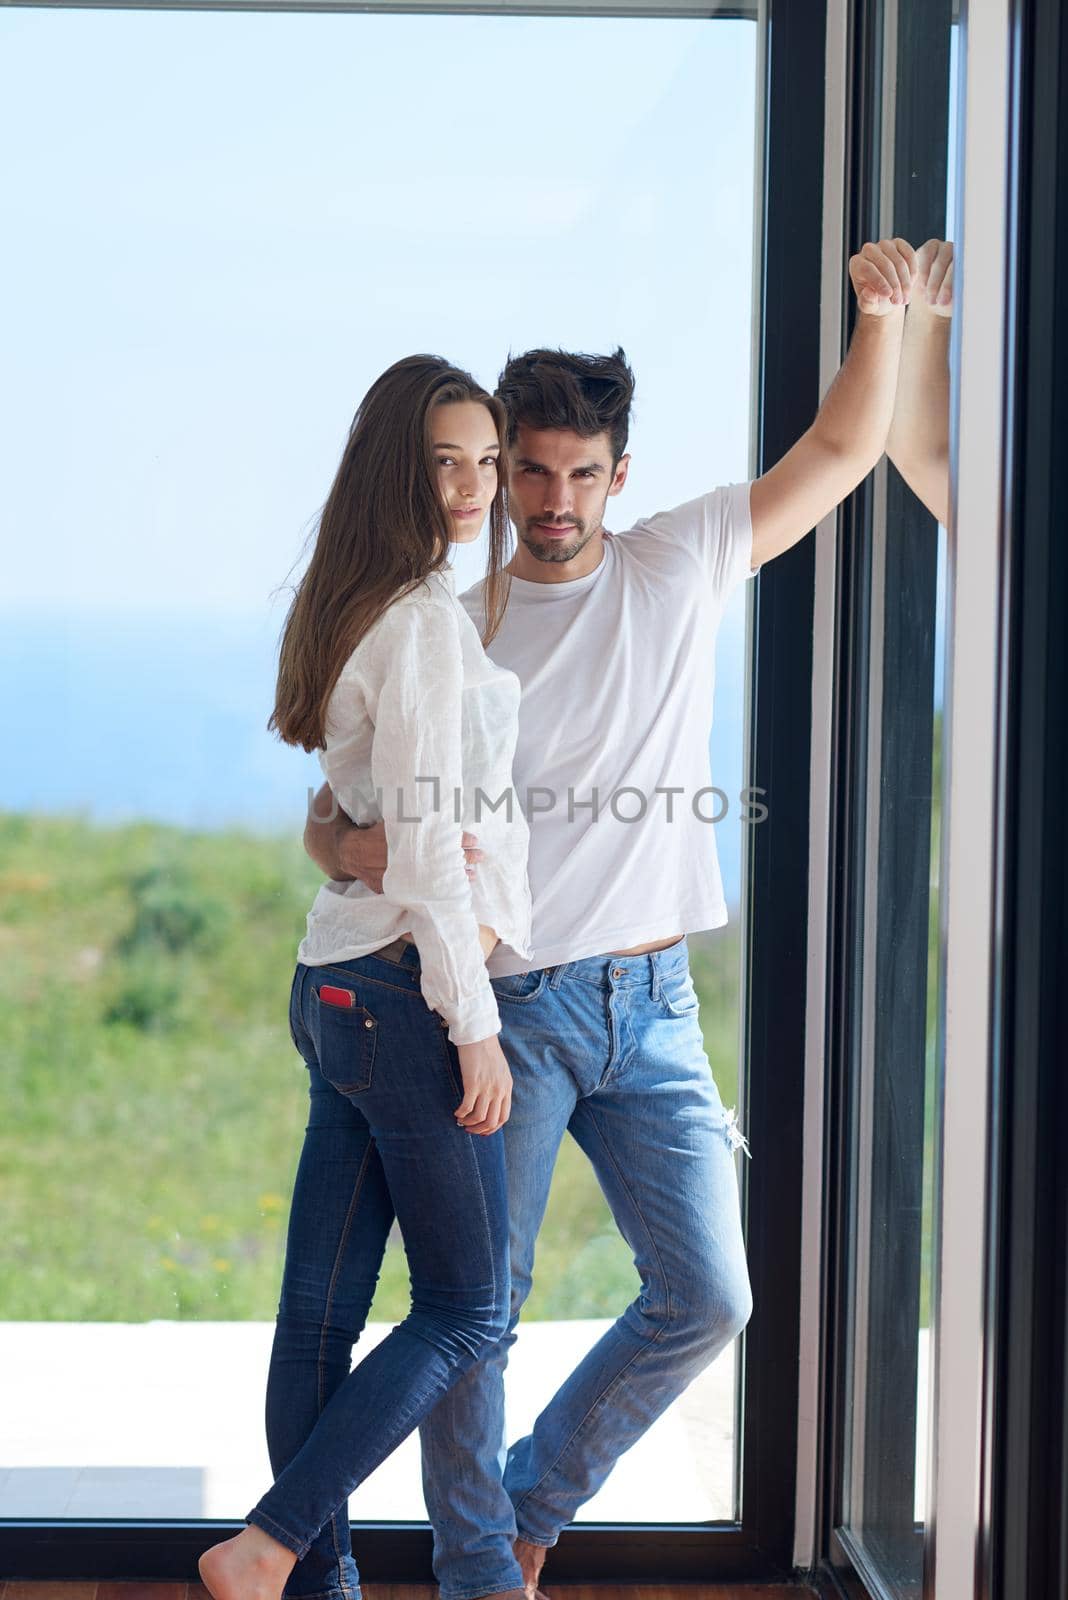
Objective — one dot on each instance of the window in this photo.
(225, 230)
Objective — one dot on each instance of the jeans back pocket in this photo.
(346, 1036)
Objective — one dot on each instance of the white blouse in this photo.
(420, 732)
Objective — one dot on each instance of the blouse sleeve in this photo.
(417, 769)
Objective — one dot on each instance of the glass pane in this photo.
(895, 1128)
(224, 232)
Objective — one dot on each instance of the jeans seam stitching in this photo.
(414, 991)
(334, 1528)
(342, 1242)
(485, 1217)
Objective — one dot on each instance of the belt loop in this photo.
(557, 974)
(654, 986)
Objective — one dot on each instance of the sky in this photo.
(225, 226)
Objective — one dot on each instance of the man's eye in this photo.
(583, 472)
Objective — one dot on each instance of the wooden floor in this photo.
(24, 1589)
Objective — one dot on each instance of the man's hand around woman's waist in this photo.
(348, 853)
(363, 854)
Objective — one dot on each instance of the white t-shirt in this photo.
(419, 722)
(618, 673)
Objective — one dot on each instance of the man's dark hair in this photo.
(557, 389)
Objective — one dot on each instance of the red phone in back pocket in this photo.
(337, 997)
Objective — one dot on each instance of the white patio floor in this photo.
(165, 1420)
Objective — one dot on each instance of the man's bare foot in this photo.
(531, 1558)
(250, 1566)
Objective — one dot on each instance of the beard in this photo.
(557, 549)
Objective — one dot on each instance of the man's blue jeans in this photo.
(381, 1141)
(610, 1050)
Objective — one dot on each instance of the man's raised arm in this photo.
(849, 433)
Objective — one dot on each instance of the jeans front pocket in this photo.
(347, 1037)
(677, 992)
(520, 987)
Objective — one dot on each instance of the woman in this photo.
(384, 673)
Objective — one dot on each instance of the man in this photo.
(612, 637)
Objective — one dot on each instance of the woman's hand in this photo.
(487, 1097)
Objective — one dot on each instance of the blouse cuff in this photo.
(475, 1018)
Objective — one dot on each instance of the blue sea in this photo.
(123, 717)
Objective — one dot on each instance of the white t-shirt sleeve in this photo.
(716, 529)
(414, 693)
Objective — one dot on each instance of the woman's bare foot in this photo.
(250, 1566)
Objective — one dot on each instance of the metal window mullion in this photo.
(818, 1023)
(966, 873)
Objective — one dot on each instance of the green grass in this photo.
(154, 1105)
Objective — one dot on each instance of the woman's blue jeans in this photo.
(381, 1142)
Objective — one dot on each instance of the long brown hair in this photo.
(382, 529)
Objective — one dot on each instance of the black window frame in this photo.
(841, 1565)
(1023, 1521)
